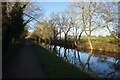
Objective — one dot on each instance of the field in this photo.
(101, 39)
(108, 44)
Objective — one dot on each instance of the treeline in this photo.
(79, 18)
(13, 23)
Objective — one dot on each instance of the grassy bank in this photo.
(55, 67)
(100, 46)
(107, 44)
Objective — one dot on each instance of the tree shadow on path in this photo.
(24, 64)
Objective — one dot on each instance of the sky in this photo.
(59, 0)
(50, 7)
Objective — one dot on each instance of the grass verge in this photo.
(55, 67)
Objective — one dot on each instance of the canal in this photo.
(95, 63)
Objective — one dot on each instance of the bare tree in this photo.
(32, 13)
(55, 25)
(109, 13)
(88, 15)
(77, 28)
(67, 23)
(59, 24)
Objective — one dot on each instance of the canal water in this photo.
(95, 63)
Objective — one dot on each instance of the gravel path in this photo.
(24, 64)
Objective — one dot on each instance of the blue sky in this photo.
(50, 7)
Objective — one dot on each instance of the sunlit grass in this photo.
(109, 44)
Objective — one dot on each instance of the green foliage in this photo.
(13, 26)
(83, 40)
(17, 21)
(109, 44)
(113, 41)
(43, 31)
(101, 39)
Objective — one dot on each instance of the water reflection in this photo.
(94, 63)
(87, 62)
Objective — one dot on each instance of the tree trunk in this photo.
(65, 57)
(75, 37)
(88, 61)
(90, 43)
(60, 34)
(116, 37)
(65, 37)
(79, 36)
